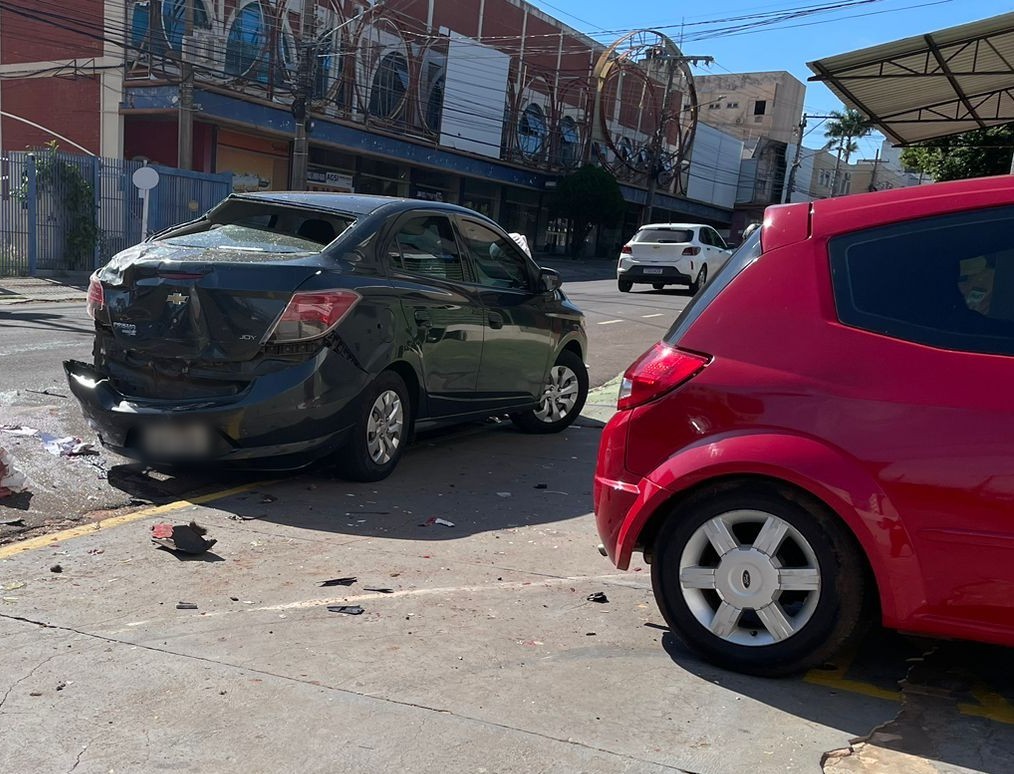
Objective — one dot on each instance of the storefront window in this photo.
(570, 142)
(520, 213)
(482, 197)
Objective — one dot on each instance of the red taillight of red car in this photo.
(659, 370)
(627, 250)
(310, 315)
(96, 297)
(691, 250)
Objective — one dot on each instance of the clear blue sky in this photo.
(784, 45)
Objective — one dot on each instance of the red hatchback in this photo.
(828, 431)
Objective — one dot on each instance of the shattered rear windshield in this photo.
(262, 227)
(664, 235)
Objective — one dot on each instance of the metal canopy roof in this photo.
(933, 85)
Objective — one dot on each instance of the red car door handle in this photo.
(495, 320)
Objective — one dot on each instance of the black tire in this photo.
(355, 460)
(700, 281)
(624, 285)
(658, 285)
(825, 622)
(536, 420)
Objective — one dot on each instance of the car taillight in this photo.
(312, 314)
(627, 250)
(659, 370)
(691, 250)
(96, 297)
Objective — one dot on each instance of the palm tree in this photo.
(843, 129)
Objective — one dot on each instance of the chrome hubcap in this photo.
(385, 427)
(559, 396)
(750, 578)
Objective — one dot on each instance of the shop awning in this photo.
(932, 85)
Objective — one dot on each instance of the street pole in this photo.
(185, 131)
(791, 182)
(873, 175)
(301, 99)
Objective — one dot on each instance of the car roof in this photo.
(673, 226)
(900, 204)
(356, 204)
(786, 224)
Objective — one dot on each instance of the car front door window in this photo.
(425, 245)
(498, 262)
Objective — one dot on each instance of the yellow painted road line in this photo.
(831, 680)
(44, 541)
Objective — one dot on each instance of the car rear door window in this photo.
(946, 282)
(498, 262)
(425, 245)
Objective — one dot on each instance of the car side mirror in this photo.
(549, 280)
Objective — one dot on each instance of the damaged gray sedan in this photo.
(282, 328)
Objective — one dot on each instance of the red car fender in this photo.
(829, 474)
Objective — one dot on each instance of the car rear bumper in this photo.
(283, 420)
(649, 273)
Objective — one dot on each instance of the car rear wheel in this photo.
(563, 397)
(758, 583)
(624, 285)
(381, 431)
(700, 282)
(658, 285)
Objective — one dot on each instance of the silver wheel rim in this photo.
(384, 427)
(702, 277)
(754, 592)
(559, 396)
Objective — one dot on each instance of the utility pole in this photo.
(301, 99)
(659, 136)
(791, 182)
(873, 175)
(185, 131)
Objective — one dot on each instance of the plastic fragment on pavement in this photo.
(12, 480)
(186, 606)
(346, 609)
(599, 597)
(185, 538)
(339, 581)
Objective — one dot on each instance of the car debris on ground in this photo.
(339, 581)
(68, 446)
(184, 538)
(598, 596)
(347, 609)
(12, 480)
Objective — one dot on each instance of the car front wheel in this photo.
(562, 398)
(381, 430)
(757, 583)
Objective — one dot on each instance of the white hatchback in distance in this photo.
(663, 254)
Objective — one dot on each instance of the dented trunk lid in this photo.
(198, 304)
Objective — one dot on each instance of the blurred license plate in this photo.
(175, 441)
(652, 271)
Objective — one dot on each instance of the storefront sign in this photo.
(329, 179)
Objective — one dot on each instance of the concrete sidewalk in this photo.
(20, 290)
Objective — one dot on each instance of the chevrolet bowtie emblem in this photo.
(177, 298)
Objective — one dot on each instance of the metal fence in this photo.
(66, 212)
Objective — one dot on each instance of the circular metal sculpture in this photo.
(646, 101)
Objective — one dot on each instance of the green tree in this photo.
(980, 153)
(588, 197)
(842, 131)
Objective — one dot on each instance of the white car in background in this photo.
(661, 254)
